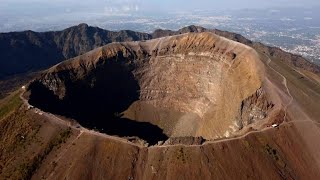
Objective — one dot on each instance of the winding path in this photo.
(284, 82)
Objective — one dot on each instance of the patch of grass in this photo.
(16, 130)
(9, 105)
(28, 169)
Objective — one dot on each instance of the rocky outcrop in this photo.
(254, 108)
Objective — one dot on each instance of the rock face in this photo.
(196, 84)
(254, 108)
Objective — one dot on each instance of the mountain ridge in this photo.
(29, 51)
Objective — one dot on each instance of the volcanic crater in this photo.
(189, 85)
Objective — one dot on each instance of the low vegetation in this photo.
(28, 169)
(10, 104)
(272, 152)
(18, 132)
(181, 155)
(14, 125)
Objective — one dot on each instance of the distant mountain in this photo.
(28, 51)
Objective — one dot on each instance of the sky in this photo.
(113, 7)
(28, 14)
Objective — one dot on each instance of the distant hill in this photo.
(29, 51)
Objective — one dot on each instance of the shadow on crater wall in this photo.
(97, 101)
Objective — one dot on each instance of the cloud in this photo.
(121, 7)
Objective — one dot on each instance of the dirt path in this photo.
(239, 137)
(284, 82)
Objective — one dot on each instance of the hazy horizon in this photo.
(18, 15)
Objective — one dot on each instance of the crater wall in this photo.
(193, 84)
